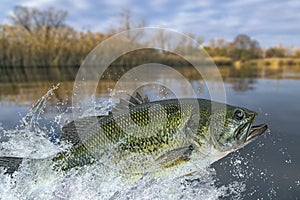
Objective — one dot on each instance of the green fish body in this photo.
(158, 134)
(147, 136)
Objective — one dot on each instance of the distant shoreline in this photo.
(219, 61)
(261, 62)
(270, 62)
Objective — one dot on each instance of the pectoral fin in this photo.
(175, 157)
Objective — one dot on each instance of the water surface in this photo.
(268, 168)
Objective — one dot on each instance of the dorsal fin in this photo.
(137, 99)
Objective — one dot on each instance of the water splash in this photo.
(30, 121)
(35, 179)
(30, 139)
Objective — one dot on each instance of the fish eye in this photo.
(238, 114)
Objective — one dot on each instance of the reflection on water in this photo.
(23, 89)
(271, 162)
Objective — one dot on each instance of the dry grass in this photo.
(56, 47)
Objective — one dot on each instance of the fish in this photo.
(140, 136)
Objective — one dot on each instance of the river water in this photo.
(268, 168)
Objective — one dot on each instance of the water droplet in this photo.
(271, 193)
(238, 162)
(289, 161)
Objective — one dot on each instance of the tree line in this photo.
(40, 38)
(244, 48)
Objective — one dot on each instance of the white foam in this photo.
(35, 179)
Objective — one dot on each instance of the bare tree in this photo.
(125, 20)
(30, 18)
(244, 48)
(126, 23)
(163, 39)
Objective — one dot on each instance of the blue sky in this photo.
(269, 21)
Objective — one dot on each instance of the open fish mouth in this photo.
(255, 131)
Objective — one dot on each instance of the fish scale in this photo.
(112, 134)
(154, 135)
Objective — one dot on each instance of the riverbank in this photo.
(272, 63)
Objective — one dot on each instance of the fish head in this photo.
(237, 129)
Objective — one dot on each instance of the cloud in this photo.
(37, 3)
(268, 21)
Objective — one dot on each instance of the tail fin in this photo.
(11, 164)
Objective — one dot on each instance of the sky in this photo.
(270, 22)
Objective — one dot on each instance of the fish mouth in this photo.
(255, 131)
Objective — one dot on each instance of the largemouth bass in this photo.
(148, 136)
